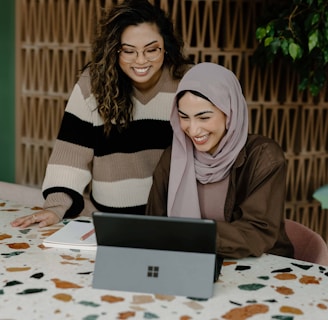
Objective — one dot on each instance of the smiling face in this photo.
(202, 122)
(143, 73)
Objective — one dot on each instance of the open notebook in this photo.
(160, 255)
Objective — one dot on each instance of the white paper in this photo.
(69, 236)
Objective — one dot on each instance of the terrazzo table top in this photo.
(48, 283)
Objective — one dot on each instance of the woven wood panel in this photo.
(53, 43)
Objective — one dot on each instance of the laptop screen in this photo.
(153, 232)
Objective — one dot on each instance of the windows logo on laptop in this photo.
(153, 271)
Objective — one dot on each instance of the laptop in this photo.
(158, 255)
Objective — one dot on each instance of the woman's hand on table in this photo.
(44, 218)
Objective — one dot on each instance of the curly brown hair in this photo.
(111, 87)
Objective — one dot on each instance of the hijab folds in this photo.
(188, 164)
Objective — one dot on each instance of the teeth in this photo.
(200, 139)
(141, 70)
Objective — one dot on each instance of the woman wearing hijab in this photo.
(216, 170)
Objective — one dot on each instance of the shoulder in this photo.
(84, 84)
(264, 149)
(82, 102)
(261, 159)
(263, 143)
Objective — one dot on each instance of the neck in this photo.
(146, 86)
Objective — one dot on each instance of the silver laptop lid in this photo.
(174, 256)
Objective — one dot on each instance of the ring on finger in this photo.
(34, 217)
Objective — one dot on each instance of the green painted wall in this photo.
(7, 91)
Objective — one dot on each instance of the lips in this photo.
(141, 71)
(201, 140)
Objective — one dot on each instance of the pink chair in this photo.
(308, 245)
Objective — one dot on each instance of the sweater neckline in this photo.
(145, 96)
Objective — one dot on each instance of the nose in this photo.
(194, 128)
(141, 58)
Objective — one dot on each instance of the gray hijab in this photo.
(188, 165)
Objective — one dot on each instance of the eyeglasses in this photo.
(130, 55)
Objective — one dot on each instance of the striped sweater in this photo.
(120, 166)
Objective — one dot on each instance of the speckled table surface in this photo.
(48, 283)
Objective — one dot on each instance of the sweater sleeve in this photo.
(69, 168)
(58, 203)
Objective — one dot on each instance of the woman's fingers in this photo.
(43, 218)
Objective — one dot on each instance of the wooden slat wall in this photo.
(53, 43)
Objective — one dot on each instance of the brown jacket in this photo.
(254, 207)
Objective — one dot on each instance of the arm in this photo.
(68, 171)
(257, 218)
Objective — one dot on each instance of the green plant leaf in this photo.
(313, 40)
(300, 30)
(314, 89)
(315, 19)
(285, 47)
(294, 50)
(260, 33)
(303, 85)
(268, 41)
(269, 29)
(275, 45)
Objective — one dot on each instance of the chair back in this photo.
(308, 245)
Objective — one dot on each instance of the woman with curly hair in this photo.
(116, 122)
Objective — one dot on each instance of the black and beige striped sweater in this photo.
(119, 167)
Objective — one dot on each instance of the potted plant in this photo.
(297, 32)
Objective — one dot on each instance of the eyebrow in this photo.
(197, 114)
(148, 44)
